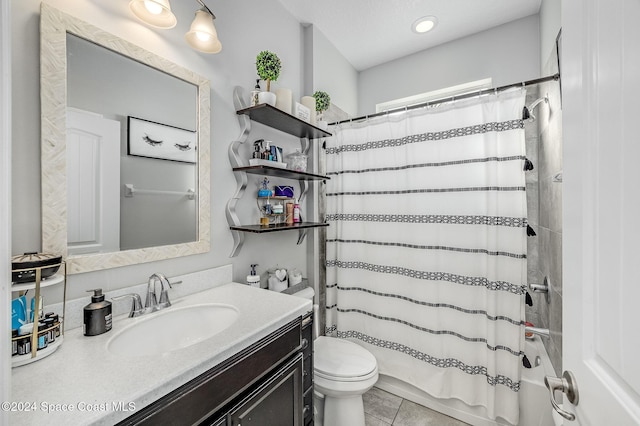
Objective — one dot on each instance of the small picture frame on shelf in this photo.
(302, 112)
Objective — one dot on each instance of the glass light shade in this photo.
(156, 13)
(203, 35)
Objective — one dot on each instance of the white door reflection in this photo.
(93, 183)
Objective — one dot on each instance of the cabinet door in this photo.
(276, 402)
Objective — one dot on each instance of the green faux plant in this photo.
(268, 66)
(322, 100)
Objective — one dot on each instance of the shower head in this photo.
(528, 111)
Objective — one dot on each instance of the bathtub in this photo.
(535, 408)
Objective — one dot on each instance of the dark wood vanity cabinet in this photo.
(267, 384)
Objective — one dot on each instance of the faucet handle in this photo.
(136, 305)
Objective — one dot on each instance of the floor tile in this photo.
(411, 414)
(369, 420)
(381, 405)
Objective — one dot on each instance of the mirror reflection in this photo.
(131, 153)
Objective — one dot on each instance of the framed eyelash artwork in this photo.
(155, 140)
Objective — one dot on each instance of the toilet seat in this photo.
(341, 360)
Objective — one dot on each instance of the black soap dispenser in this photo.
(97, 314)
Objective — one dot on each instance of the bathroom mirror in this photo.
(125, 150)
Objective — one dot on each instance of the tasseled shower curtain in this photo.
(426, 248)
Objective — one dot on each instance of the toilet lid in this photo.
(341, 358)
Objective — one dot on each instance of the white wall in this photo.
(508, 53)
(333, 74)
(5, 201)
(243, 34)
(550, 23)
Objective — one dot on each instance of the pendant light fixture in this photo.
(156, 13)
(203, 35)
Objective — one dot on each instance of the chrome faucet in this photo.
(151, 301)
(151, 304)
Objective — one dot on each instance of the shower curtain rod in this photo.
(555, 77)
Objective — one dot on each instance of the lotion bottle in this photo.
(97, 314)
(252, 279)
(296, 212)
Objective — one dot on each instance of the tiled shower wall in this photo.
(544, 202)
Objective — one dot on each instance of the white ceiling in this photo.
(371, 32)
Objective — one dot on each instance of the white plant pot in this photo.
(267, 98)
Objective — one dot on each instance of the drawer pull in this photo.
(305, 344)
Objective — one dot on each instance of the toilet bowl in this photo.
(343, 372)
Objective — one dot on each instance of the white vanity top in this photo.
(82, 383)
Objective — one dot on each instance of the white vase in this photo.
(321, 123)
(267, 98)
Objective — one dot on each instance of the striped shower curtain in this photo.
(426, 248)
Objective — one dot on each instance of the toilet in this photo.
(343, 371)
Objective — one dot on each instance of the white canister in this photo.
(284, 100)
(295, 277)
(278, 279)
(267, 98)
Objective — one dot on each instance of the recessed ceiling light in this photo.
(424, 24)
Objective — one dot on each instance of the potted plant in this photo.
(268, 66)
(322, 104)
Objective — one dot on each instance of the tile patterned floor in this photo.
(385, 409)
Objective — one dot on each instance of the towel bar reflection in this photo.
(130, 191)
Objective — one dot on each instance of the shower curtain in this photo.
(426, 248)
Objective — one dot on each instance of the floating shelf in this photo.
(278, 172)
(273, 117)
(276, 227)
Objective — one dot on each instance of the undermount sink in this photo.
(172, 329)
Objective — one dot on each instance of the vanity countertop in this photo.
(81, 383)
